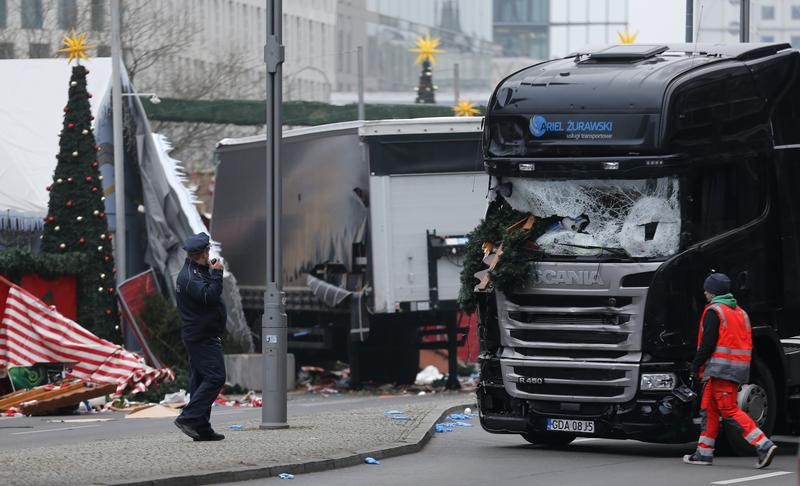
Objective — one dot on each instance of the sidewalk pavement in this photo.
(311, 443)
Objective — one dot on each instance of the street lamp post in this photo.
(273, 323)
(119, 163)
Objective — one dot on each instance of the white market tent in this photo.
(32, 95)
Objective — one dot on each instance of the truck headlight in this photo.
(657, 381)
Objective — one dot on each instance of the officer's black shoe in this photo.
(765, 456)
(187, 429)
(209, 435)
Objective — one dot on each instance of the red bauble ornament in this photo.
(91, 117)
(66, 109)
(88, 94)
(69, 204)
(82, 241)
(88, 178)
(87, 71)
(106, 258)
(101, 215)
(108, 312)
(94, 164)
(70, 125)
(51, 218)
(110, 237)
(49, 187)
(114, 270)
(94, 189)
(110, 290)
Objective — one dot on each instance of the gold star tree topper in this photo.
(465, 108)
(426, 49)
(75, 46)
(627, 37)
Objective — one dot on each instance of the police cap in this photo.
(196, 243)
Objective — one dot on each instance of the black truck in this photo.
(652, 165)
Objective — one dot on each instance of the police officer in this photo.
(722, 362)
(199, 295)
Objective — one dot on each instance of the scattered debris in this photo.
(79, 421)
(428, 375)
(400, 418)
(319, 380)
(249, 400)
(236, 427)
(371, 460)
(392, 412)
(286, 476)
(51, 398)
(179, 398)
(154, 411)
(468, 411)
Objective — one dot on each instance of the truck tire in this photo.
(552, 439)
(759, 400)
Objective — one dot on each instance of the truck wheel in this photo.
(758, 399)
(552, 439)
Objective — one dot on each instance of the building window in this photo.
(3, 14)
(6, 50)
(796, 41)
(103, 50)
(36, 50)
(32, 16)
(67, 14)
(795, 12)
(767, 38)
(98, 15)
(767, 12)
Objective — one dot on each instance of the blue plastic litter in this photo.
(236, 427)
(392, 412)
(286, 476)
(400, 417)
(459, 416)
(371, 460)
(443, 428)
(462, 424)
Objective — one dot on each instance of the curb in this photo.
(415, 443)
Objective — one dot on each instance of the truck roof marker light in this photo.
(610, 165)
(654, 163)
(528, 167)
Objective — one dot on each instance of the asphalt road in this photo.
(470, 456)
(22, 432)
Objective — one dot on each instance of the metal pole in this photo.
(119, 162)
(273, 323)
(689, 20)
(744, 21)
(456, 83)
(360, 63)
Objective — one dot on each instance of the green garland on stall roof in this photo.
(15, 263)
(492, 229)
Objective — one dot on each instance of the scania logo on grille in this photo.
(568, 277)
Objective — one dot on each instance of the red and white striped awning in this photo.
(32, 332)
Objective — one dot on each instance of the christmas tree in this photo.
(75, 220)
(426, 50)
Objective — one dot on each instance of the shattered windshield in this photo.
(636, 218)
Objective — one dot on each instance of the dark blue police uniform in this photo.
(199, 296)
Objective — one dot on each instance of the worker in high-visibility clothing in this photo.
(722, 362)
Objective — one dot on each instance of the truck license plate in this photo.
(566, 425)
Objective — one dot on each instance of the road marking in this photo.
(54, 430)
(753, 478)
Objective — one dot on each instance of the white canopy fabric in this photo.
(33, 93)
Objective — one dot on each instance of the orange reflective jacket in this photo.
(731, 358)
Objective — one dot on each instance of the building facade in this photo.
(543, 29)
(770, 21)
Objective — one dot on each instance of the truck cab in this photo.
(644, 168)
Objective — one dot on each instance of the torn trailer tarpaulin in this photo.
(331, 294)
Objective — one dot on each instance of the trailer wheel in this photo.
(758, 399)
(552, 439)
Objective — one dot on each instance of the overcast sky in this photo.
(658, 20)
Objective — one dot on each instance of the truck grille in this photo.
(573, 343)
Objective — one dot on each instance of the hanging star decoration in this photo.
(427, 48)
(465, 108)
(75, 46)
(627, 37)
